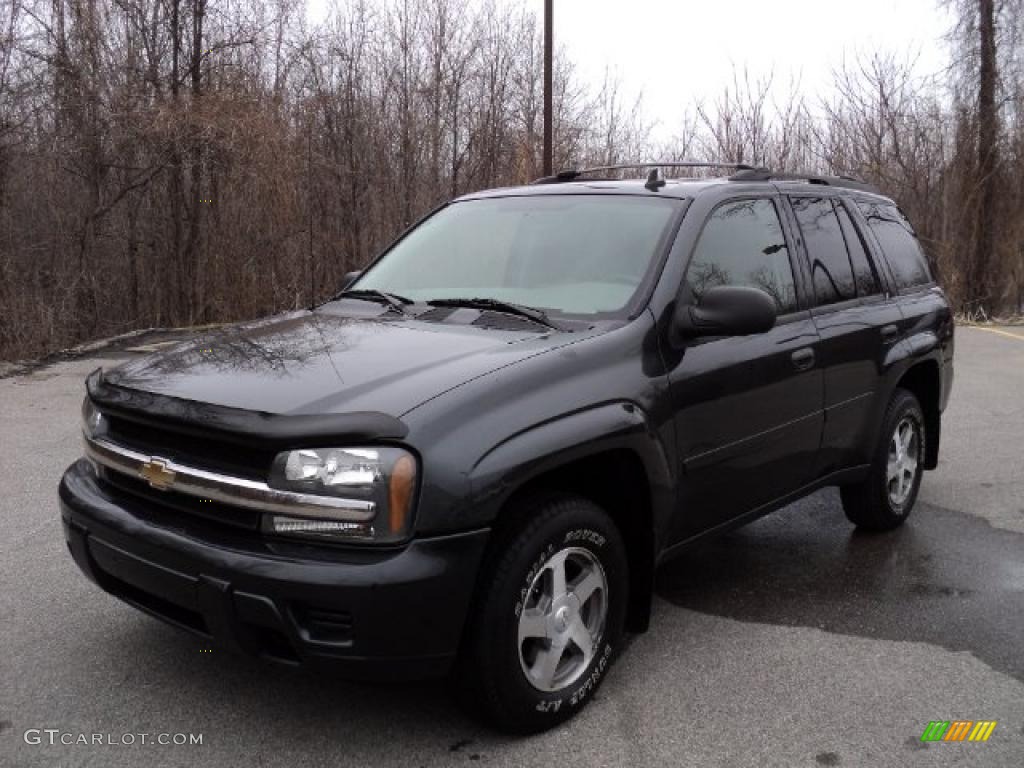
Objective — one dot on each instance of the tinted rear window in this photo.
(826, 248)
(899, 243)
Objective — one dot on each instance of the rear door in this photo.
(856, 318)
(747, 408)
(926, 315)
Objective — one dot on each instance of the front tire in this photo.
(550, 615)
(884, 500)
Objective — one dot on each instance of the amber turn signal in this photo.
(400, 490)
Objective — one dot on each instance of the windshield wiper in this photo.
(391, 300)
(532, 313)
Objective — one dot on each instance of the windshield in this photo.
(570, 254)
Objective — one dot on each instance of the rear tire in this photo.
(884, 499)
(549, 616)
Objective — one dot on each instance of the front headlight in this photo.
(383, 476)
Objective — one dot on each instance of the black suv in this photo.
(473, 459)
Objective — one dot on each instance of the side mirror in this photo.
(727, 310)
(350, 277)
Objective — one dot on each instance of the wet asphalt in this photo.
(795, 641)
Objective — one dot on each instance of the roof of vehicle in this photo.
(575, 182)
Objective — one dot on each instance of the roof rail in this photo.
(571, 174)
(763, 174)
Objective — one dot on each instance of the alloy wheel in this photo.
(563, 619)
(901, 467)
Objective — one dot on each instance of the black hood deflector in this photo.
(238, 425)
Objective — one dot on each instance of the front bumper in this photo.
(369, 614)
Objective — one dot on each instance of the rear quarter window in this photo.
(899, 243)
(863, 270)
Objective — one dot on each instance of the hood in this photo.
(322, 362)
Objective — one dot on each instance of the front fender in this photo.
(544, 447)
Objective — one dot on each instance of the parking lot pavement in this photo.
(792, 642)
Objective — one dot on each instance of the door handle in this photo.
(803, 358)
(889, 332)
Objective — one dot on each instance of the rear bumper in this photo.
(395, 614)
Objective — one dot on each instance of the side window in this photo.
(742, 244)
(826, 248)
(899, 243)
(863, 271)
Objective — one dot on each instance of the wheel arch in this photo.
(616, 481)
(606, 454)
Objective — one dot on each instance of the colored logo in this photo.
(958, 730)
(156, 473)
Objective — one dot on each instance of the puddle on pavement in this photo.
(944, 578)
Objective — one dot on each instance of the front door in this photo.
(748, 409)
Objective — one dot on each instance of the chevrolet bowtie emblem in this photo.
(156, 473)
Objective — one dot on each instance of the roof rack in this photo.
(742, 172)
(572, 174)
(763, 174)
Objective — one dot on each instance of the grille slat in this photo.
(215, 455)
(222, 514)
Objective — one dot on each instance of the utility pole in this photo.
(309, 225)
(548, 45)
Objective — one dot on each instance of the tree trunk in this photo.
(980, 283)
(191, 256)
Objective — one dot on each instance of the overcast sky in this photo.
(675, 51)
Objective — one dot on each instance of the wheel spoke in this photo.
(558, 576)
(532, 623)
(580, 635)
(546, 664)
(892, 469)
(905, 435)
(585, 585)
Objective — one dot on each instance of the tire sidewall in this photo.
(584, 527)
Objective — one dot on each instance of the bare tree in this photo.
(165, 162)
